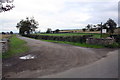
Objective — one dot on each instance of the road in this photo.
(104, 68)
(52, 58)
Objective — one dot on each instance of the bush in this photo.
(116, 37)
(114, 45)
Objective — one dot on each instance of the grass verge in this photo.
(16, 46)
(77, 44)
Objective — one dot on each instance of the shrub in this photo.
(116, 37)
(114, 45)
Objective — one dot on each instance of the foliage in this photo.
(57, 31)
(27, 26)
(84, 29)
(16, 46)
(8, 5)
(11, 32)
(76, 44)
(88, 26)
(3, 33)
(114, 45)
(111, 25)
(116, 37)
(91, 29)
(49, 30)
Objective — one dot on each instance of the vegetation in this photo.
(27, 26)
(11, 32)
(7, 7)
(16, 46)
(95, 35)
(84, 29)
(77, 44)
(5, 36)
(49, 30)
(111, 25)
(74, 40)
(114, 45)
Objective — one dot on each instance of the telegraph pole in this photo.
(101, 29)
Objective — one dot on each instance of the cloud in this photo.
(60, 14)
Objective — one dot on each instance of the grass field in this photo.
(96, 35)
(5, 36)
(16, 46)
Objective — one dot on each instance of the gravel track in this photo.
(50, 58)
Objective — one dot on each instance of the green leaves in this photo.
(26, 26)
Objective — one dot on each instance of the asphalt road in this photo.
(104, 68)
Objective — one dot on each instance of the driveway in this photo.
(50, 58)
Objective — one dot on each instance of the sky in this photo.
(59, 14)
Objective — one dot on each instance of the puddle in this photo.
(27, 57)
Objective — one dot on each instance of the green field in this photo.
(96, 35)
(16, 46)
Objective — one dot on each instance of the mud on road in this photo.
(49, 58)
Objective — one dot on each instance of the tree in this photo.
(88, 26)
(8, 5)
(49, 30)
(84, 29)
(3, 33)
(27, 26)
(94, 26)
(111, 25)
(57, 31)
(11, 32)
(91, 29)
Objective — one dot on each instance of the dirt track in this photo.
(50, 58)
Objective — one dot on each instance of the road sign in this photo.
(104, 30)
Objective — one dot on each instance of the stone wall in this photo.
(3, 45)
(100, 41)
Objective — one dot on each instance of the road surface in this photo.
(104, 68)
(53, 58)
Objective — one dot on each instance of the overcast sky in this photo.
(60, 14)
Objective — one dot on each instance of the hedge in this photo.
(80, 39)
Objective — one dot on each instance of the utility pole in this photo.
(101, 29)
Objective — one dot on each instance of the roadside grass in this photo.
(17, 46)
(76, 44)
(95, 35)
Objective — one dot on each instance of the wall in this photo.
(3, 45)
(80, 39)
(100, 41)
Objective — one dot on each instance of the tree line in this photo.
(28, 25)
(110, 26)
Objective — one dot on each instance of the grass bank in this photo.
(16, 46)
(77, 44)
